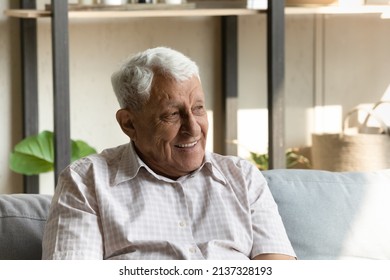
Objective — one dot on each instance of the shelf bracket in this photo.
(62, 144)
(229, 31)
(28, 42)
(275, 95)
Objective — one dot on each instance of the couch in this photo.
(327, 215)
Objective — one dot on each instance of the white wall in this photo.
(331, 62)
(10, 112)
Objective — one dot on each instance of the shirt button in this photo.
(182, 224)
(192, 250)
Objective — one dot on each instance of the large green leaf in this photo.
(28, 164)
(39, 146)
(81, 149)
(35, 154)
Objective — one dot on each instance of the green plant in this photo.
(35, 154)
(292, 159)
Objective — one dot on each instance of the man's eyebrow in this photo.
(171, 104)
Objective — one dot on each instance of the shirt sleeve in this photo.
(73, 229)
(269, 234)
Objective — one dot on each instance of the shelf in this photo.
(334, 10)
(363, 9)
(134, 13)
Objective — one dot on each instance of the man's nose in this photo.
(189, 124)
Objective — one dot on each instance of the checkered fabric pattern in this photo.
(113, 206)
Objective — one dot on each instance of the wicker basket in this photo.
(358, 149)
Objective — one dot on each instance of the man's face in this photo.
(171, 129)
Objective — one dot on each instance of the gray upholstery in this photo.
(334, 215)
(327, 215)
(22, 219)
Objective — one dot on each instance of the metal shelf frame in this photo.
(60, 48)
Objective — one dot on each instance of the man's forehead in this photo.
(172, 96)
(178, 100)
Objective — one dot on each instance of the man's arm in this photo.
(270, 240)
(73, 229)
(273, 257)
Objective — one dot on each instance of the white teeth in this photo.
(187, 145)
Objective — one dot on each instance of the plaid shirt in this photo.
(113, 206)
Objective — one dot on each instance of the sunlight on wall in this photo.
(385, 15)
(369, 117)
(385, 108)
(252, 131)
(386, 95)
(327, 119)
(378, 118)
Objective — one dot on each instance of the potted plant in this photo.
(35, 154)
(293, 158)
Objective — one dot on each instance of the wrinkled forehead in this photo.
(168, 90)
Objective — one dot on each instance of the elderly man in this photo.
(162, 196)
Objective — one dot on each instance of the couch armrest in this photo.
(22, 221)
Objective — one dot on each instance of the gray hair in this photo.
(132, 82)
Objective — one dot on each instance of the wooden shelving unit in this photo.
(333, 9)
(59, 16)
(339, 10)
(34, 14)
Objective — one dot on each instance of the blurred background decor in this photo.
(363, 147)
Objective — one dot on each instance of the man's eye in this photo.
(199, 109)
(171, 115)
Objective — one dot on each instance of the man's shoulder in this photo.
(228, 161)
(113, 153)
(107, 157)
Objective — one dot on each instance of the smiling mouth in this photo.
(188, 145)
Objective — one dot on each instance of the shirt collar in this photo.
(130, 164)
(212, 166)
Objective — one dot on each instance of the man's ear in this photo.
(125, 121)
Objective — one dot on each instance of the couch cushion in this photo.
(334, 215)
(22, 219)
